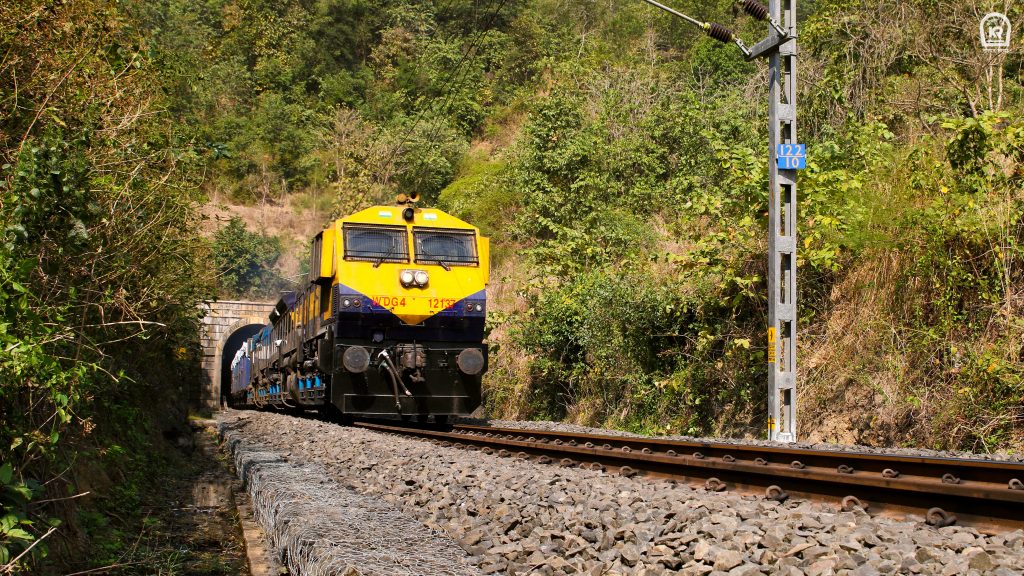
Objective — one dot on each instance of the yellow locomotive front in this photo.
(405, 322)
(391, 321)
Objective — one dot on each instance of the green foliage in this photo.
(245, 259)
(639, 176)
(600, 332)
(263, 83)
(616, 156)
(100, 264)
(16, 533)
(477, 196)
(627, 328)
(971, 256)
(835, 204)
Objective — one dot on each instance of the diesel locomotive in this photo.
(389, 323)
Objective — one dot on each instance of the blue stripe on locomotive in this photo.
(453, 324)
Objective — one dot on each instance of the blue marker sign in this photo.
(791, 156)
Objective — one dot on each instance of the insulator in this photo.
(720, 33)
(755, 9)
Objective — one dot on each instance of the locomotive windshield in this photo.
(376, 243)
(445, 247)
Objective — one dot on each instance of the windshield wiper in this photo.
(385, 256)
(444, 265)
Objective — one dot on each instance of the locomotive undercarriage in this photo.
(407, 379)
(387, 379)
(293, 380)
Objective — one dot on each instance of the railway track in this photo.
(987, 495)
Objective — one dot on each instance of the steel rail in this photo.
(985, 494)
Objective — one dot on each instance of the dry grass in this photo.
(508, 377)
(854, 374)
(866, 382)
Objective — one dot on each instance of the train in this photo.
(389, 323)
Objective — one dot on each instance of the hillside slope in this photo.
(617, 158)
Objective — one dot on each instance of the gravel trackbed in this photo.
(521, 517)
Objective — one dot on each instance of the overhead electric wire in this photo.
(677, 13)
(450, 92)
(444, 83)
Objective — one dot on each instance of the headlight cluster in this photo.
(351, 303)
(413, 278)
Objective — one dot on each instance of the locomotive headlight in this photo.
(356, 359)
(471, 361)
(413, 278)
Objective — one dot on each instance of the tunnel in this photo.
(231, 346)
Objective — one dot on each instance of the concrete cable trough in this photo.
(321, 528)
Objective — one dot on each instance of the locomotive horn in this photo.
(407, 198)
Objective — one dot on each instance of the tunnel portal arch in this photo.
(236, 335)
(224, 324)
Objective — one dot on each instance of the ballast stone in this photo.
(727, 559)
(594, 522)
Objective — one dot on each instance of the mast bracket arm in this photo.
(768, 45)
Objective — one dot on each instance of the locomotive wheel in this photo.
(293, 386)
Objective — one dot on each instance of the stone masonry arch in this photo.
(222, 319)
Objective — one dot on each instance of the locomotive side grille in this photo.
(314, 257)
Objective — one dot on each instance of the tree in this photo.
(245, 259)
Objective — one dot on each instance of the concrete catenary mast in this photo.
(785, 157)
